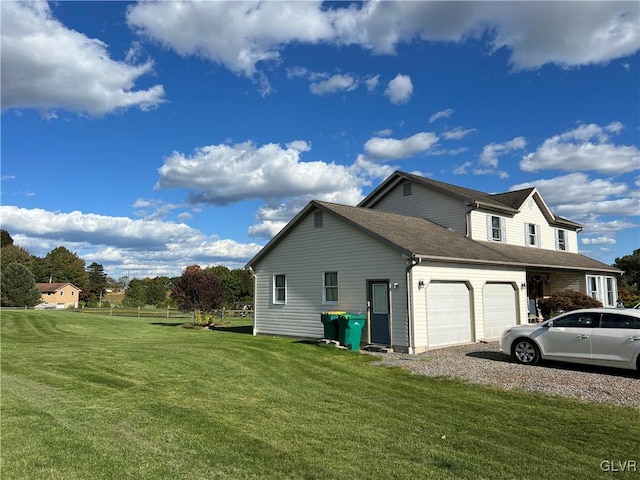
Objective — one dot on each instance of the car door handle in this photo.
(634, 339)
(583, 337)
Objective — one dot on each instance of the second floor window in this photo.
(561, 240)
(496, 228)
(532, 235)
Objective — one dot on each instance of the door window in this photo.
(380, 298)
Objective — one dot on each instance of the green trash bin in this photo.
(330, 322)
(350, 329)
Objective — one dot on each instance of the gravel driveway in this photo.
(483, 363)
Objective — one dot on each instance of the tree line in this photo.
(196, 288)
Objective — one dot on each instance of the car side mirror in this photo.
(548, 324)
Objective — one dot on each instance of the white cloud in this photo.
(457, 133)
(491, 152)
(621, 206)
(451, 152)
(587, 147)
(372, 83)
(223, 174)
(336, 83)
(586, 201)
(243, 35)
(387, 132)
(393, 149)
(238, 35)
(594, 226)
(598, 241)
(46, 65)
(441, 114)
(399, 89)
(576, 187)
(299, 145)
(141, 247)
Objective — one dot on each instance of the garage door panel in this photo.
(500, 312)
(448, 314)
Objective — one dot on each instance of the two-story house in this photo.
(62, 295)
(429, 263)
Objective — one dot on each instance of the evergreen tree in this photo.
(18, 287)
(97, 281)
(13, 254)
(136, 294)
(5, 239)
(66, 267)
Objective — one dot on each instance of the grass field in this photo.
(99, 397)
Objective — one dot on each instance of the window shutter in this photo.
(503, 228)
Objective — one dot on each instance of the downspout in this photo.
(255, 300)
(413, 261)
(474, 206)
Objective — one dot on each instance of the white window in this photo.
(279, 289)
(603, 289)
(496, 230)
(532, 234)
(330, 287)
(561, 240)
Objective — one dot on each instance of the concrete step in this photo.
(377, 348)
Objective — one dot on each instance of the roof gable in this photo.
(507, 202)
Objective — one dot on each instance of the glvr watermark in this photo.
(614, 466)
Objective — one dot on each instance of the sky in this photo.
(151, 136)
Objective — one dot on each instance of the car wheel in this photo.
(526, 352)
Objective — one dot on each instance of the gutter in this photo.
(413, 261)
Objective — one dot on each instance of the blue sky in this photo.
(151, 136)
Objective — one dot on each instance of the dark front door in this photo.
(379, 311)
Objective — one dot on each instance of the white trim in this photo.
(503, 229)
(536, 235)
(603, 288)
(564, 240)
(275, 300)
(325, 286)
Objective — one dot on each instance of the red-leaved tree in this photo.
(198, 290)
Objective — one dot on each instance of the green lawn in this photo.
(99, 397)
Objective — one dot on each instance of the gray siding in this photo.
(303, 255)
(426, 203)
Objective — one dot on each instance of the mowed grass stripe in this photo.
(102, 397)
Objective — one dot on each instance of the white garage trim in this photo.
(448, 314)
(500, 308)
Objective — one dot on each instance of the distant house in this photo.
(429, 263)
(62, 295)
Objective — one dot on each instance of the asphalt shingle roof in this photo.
(423, 238)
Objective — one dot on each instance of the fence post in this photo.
(167, 312)
(138, 312)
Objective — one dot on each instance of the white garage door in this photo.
(499, 309)
(448, 314)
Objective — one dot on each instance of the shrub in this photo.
(566, 301)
